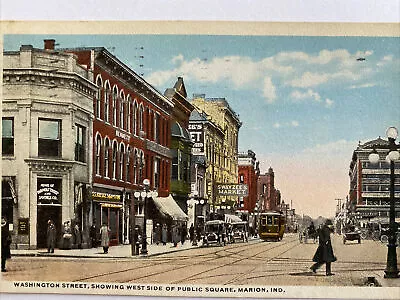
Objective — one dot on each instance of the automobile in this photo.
(239, 231)
(214, 233)
(352, 233)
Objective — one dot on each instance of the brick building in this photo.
(269, 196)
(248, 174)
(131, 141)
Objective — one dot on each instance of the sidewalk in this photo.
(120, 251)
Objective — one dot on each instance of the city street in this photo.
(254, 263)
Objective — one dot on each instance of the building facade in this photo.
(269, 196)
(248, 174)
(47, 115)
(181, 144)
(221, 146)
(131, 142)
(369, 184)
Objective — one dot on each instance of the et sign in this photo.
(197, 135)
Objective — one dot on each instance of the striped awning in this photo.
(168, 207)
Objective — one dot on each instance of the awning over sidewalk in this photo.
(168, 207)
(232, 218)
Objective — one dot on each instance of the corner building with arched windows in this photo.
(131, 142)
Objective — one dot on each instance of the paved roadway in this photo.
(254, 263)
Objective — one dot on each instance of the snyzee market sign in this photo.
(197, 135)
(47, 192)
(232, 189)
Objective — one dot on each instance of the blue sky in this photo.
(305, 102)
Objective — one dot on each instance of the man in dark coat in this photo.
(5, 244)
(324, 253)
(51, 236)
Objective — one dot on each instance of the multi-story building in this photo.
(369, 183)
(221, 153)
(248, 174)
(181, 144)
(131, 142)
(269, 196)
(47, 114)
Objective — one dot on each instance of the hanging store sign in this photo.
(232, 189)
(197, 135)
(98, 196)
(23, 226)
(47, 192)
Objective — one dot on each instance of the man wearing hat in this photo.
(324, 253)
(5, 244)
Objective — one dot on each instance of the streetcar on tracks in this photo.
(215, 233)
(271, 225)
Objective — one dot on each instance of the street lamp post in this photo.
(146, 184)
(391, 270)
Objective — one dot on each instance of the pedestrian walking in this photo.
(51, 236)
(191, 233)
(78, 236)
(5, 243)
(175, 235)
(183, 233)
(93, 235)
(164, 234)
(105, 237)
(67, 236)
(324, 253)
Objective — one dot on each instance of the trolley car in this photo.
(271, 225)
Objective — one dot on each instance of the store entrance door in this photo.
(45, 213)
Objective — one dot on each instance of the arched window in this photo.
(141, 118)
(141, 166)
(121, 161)
(114, 159)
(107, 90)
(98, 97)
(129, 118)
(128, 164)
(122, 110)
(98, 151)
(106, 158)
(135, 167)
(135, 118)
(114, 105)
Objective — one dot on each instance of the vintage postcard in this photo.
(200, 159)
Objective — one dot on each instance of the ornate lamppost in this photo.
(144, 194)
(391, 270)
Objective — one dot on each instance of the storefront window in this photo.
(49, 138)
(8, 136)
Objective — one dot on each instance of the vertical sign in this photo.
(197, 135)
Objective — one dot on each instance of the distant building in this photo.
(269, 196)
(47, 114)
(369, 183)
(248, 174)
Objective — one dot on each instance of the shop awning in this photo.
(168, 207)
(232, 218)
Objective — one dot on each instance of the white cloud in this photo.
(269, 90)
(361, 86)
(309, 79)
(328, 102)
(295, 123)
(178, 59)
(309, 94)
(277, 125)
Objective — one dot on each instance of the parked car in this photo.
(239, 231)
(214, 233)
(352, 233)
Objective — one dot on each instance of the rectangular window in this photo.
(175, 168)
(80, 143)
(156, 173)
(8, 136)
(49, 143)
